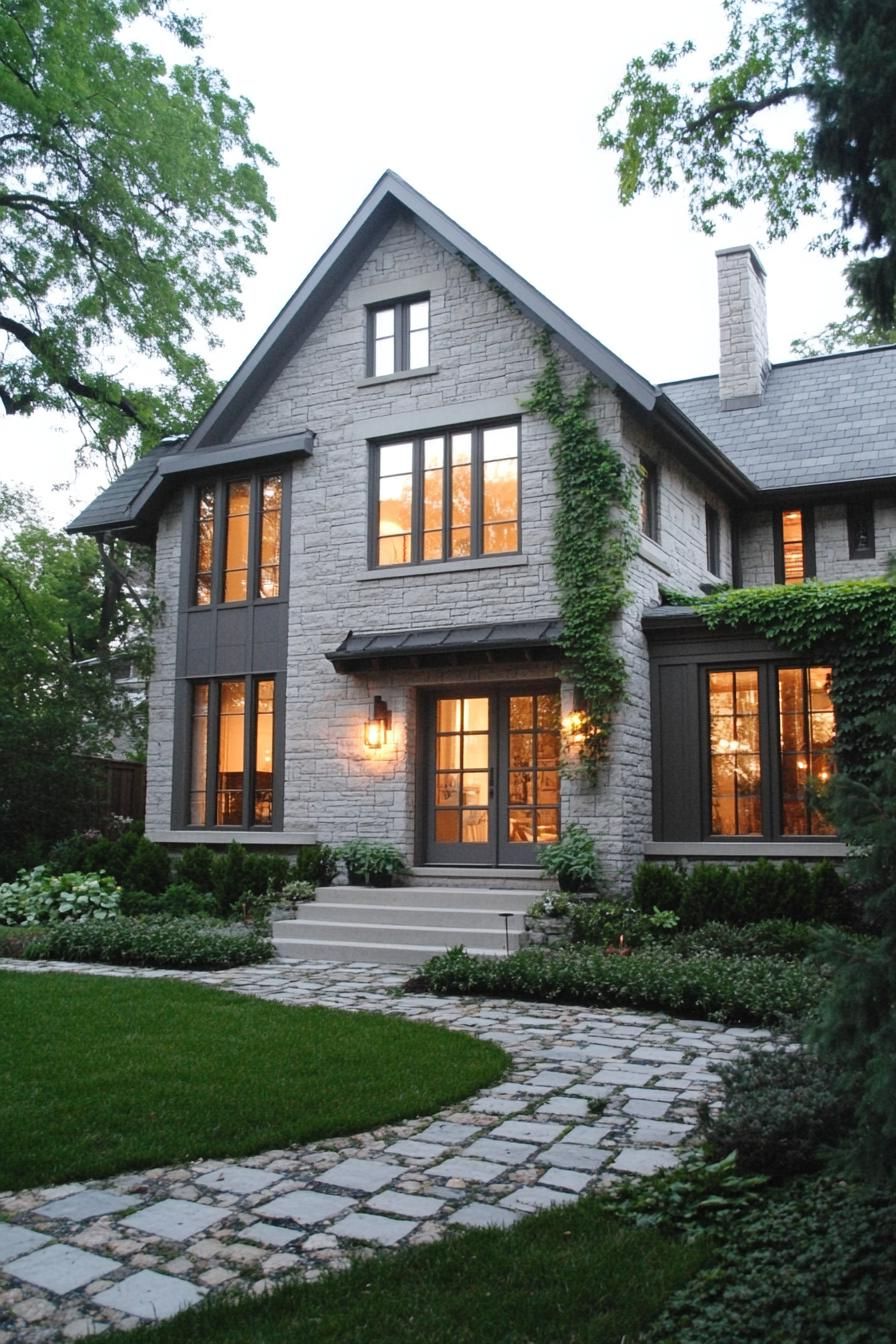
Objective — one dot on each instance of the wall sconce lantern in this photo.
(379, 725)
(574, 723)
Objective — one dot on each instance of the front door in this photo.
(492, 781)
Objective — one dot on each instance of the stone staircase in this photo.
(408, 924)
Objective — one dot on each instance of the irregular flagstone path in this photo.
(592, 1094)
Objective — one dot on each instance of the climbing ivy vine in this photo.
(849, 625)
(594, 541)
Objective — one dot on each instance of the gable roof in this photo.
(821, 422)
(141, 490)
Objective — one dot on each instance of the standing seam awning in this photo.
(449, 645)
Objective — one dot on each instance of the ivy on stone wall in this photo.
(849, 625)
(594, 541)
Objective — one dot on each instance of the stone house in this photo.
(360, 634)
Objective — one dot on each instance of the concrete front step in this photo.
(457, 935)
(387, 953)
(403, 924)
(493, 879)
(430, 916)
(423, 898)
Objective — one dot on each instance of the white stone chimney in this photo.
(743, 328)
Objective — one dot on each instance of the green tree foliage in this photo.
(131, 205)
(856, 1029)
(57, 696)
(721, 137)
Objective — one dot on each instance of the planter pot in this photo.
(382, 880)
(356, 879)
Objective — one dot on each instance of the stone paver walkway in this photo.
(590, 1095)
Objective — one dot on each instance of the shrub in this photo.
(603, 922)
(195, 865)
(148, 868)
(42, 897)
(659, 886)
(152, 941)
(316, 864)
(780, 1108)
(179, 898)
(762, 990)
(265, 874)
(815, 1264)
(572, 860)
(372, 862)
(688, 1199)
(295, 891)
(228, 875)
(552, 905)
(769, 937)
(710, 893)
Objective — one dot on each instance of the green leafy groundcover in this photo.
(188, 944)
(761, 989)
(816, 1265)
(103, 1074)
(573, 1275)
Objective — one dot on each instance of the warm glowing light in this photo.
(573, 725)
(377, 727)
(802, 765)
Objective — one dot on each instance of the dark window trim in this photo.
(807, 512)
(219, 484)
(713, 540)
(181, 812)
(650, 497)
(402, 332)
(476, 551)
(859, 519)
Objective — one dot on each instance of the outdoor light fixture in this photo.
(379, 725)
(574, 723)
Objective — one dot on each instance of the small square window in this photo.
(650, 482)
(860, 525)
(398, 337)
(713, 541)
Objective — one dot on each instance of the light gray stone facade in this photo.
(483, 363)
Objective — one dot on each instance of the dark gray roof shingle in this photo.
(821, 421)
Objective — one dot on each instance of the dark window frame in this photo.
(860, 529)
(476, 503)
(650, 497)
(219, 484)
(402, 310)
(807, 514)
(247, 823)
(771, 791)
(713, 540)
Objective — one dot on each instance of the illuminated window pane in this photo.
(792, 541)
(462, 774)
(418, 334)
(269, 538)
(805, 742)
(205, 542)
(264, 754)
(236, 542)
(735, 763)
(231, 753)
(199, 755)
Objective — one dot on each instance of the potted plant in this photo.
(572, 860)
(372, 863)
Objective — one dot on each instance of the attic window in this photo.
(794, 546)
(398, 336)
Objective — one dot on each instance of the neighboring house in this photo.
(353, 549)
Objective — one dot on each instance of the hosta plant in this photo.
(42, 897)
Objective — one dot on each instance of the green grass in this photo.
(573, 1275)
(102, 1075)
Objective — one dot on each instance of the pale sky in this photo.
(489, 110)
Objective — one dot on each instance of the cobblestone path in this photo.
(78, 1259)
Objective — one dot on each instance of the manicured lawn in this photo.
(101, 1075)
(569, 1276)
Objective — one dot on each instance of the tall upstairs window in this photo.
(794, 546)
(650, 498)
(238, 541)
(398, 337)
(446, 496)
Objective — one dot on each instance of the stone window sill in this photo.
(401, 376)
(443, 567)
(744, 849)
(221, 837)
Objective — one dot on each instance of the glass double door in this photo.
(492, 779)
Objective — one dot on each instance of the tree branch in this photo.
(68, 382)
(746, 106)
